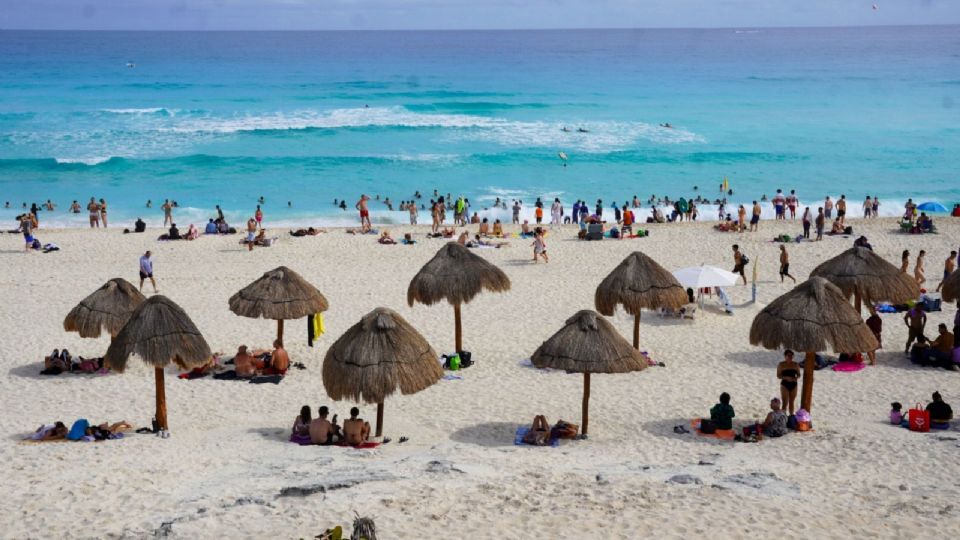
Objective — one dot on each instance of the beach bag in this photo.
(564, 430)
(707, 427)
(792, 422)
(919, 419)
(451, 362)
(744, 260)
(465, 359)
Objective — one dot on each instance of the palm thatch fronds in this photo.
(951, 287)
(639, 283)
(813, 317)
(376, 357)
(159, 332)
(279, 294)
(861, 273)
(456, 275)
(587, 344)
(108, 308)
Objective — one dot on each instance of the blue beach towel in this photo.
(522, 431)
(78, 429)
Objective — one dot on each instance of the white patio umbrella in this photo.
(698, 277)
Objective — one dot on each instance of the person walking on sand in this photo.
(821, 223)
(539, 246)
(739, 263)
(167, 212)
(94, 210)
(842, 209)
(948, 267)
(361, 206)
(918, 269)
(146, 271)
(103, 213)
(785, 264)
(755, 219)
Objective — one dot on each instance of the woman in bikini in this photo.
(905, 261)
(788, 372)
(918, 269)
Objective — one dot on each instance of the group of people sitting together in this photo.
(173, 233)
(940, 413)
(308, 430)
(61, 361)
(777, 423)
(260, 363)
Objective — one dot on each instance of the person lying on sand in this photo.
(309, 231)
(479, 242)
(355, 430)
(323, 431)
(463, 238)
(386, 239)
(49, 432)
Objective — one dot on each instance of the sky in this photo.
(464, 14)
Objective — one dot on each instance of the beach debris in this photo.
(602, 479)
(684, 479)
(363, 528)
(442, 467)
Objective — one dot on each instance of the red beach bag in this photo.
(919, 419)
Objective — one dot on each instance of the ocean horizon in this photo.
(306, 117)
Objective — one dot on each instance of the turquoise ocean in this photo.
(209, 118)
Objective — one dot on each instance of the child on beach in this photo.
(896, 413)
(539, 247)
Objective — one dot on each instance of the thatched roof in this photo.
(877, 279)
(588, 343)
(813, 317)
(280, 293)
(456, 275)
(639, 282)
(951, 287)
(159, 332)
(378, 355)
(108, 308)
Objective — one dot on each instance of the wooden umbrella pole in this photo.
(161, 399)
(636, 331)
(806, 395)
(379, 419)
(280, 329)
(586, 403)
(457, 328)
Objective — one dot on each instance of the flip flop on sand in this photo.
(403, 440)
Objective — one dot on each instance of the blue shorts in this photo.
(754, 220)
(28, 239)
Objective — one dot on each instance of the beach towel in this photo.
(264, 379)
(78, 429)
(849, 367)
(523, 430)
(450, 377)
(723, 434)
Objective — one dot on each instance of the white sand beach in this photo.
(227, 469)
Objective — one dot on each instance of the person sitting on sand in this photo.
(244, 364)
(323, 431)
(301, 424)
(448, 232)
(525, 229)
(722, 414)
(139, 226)
(355, 430)
(479, 242)
(774, 425)
(211, 227)
(386, 239)
(173, 233)
(940, 412)
(408, 240)
(192, 233)
(279, 360)
(484, 228)
(497, 229)
(836, 228)
(788, 371)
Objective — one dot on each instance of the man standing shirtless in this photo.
(916, 320)
(94, 210)
(948, 267)
(364, 213)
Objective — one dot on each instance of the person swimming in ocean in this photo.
(666, 125)
(582, 130)
(565, 129)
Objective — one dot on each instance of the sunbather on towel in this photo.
(244, 363)
(722, 413)
(355, 430)
(323, 431)
(50, 432)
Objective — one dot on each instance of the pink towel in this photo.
(849, 366)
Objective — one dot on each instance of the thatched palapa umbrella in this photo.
(587, 344)
(108, 308)
(861, 273)
(456, 275)
(810, 318)
(951, 288)
(278, 294)
(637, 283)
(377, 356)
(159, 332)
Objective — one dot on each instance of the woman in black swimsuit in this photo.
(788, 372)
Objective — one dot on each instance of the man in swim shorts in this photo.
(755, 220)
(251, 233)
(364, 213)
